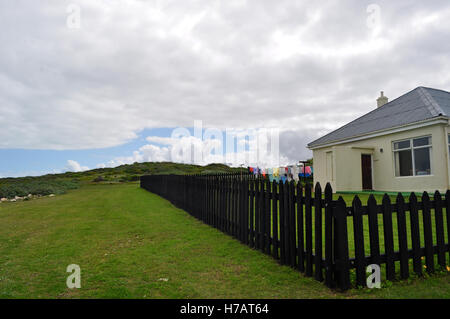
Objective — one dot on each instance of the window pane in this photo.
(403, 144)
(422, 161)
(449, 139)
(422, 141)
(403, 163)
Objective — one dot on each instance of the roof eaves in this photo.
(381, 132)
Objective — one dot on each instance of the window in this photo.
(413, 157)
(449, 143)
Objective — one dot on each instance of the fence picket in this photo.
(447, 210)
(300, 230)
(342, 258)
(318, 274)
(428, 232)
(439, 228)
(329, 261)
(388, 238)
(258, 214)
(358, 229)
(263, 217)
(308, 231)
(287, 233)
(252, 212)
(415, 233)
(282, 226)
(246, 211)
(268, 219)
(292, 226)
(402, 237)
(373, 231)
(275, 219)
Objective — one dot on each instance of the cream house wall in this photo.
(447, 133)
(347, 161)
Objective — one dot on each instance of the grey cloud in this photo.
(303, 66)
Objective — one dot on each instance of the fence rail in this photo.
(313, 233)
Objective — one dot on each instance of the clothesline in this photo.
(283, 173)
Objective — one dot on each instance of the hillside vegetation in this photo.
(60, 183)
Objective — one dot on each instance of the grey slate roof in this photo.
(417, 105)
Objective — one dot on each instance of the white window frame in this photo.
(412, 148)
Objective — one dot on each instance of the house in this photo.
(400, 146)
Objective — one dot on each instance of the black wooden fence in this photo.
(313, 233)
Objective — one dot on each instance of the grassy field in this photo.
(132, 244)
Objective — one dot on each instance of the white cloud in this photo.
(203, 151)
(74, 166)
(305, 66)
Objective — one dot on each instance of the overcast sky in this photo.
(93, 83)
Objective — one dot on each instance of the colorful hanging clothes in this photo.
(276, 174)
(307, 172)
(295, 172)
(270, 173)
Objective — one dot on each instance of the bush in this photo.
(22, 188)
(99, 179)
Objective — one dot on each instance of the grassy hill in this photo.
(60, 183)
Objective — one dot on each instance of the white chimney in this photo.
(382, 100)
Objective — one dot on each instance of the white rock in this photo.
(4, 199)
(13, 200)
(51, 195)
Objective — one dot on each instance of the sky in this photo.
(100, 83)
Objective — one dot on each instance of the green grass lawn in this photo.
(126, 240)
